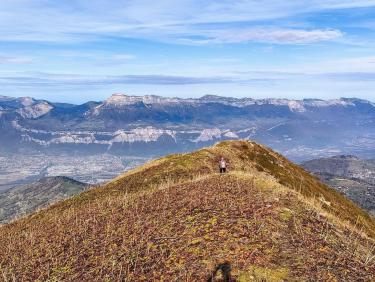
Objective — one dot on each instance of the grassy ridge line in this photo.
(249, 156)
(178, 217)
(181, 231)
(242, 156)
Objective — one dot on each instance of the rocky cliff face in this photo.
(157, 125)
(35, 110)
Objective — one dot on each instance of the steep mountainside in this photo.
(348, 174)
(177, 219)
(153, 125)
(25, 199)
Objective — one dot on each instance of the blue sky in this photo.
(74, 51)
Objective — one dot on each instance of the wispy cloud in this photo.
(294, 46)
(266, 77)
(344, 4)
(167, 20)
(356, 69)
(274, 36)
(14, 60)
(359, 77)
(267, 83)
(47, 79)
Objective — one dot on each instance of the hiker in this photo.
(222, 165)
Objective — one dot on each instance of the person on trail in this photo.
(222, 165)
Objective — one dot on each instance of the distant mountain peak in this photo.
(216, 97)
(299, 128)
(27, 101)
(119, 99)
(35, 110)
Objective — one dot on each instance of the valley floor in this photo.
(17, 169)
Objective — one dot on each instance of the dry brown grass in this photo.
(176, 219)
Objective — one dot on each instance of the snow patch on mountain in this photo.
(119, 100)
(26, 101)
(300, 105)
(208, 134)
(229, 101)
(296, 106)
(327, 103)
(35, 110)
(230, 134)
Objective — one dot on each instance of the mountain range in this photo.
(153, 125)
(352, 176)
(178, 219)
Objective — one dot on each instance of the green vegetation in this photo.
(178, 219)
(264, 274)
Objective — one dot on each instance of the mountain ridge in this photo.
(153, 126)
(177, 218)
(150, 99)
(24, 199)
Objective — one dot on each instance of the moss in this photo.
(58, 273)
(285, 214)
(256, 273)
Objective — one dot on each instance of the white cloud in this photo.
(345, 4)
(38, 79)
(166, 20)
(277, 36)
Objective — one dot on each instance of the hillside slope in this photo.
(177, 219)
(353, 177)
(27, 198)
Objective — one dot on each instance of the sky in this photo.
(79, 50)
